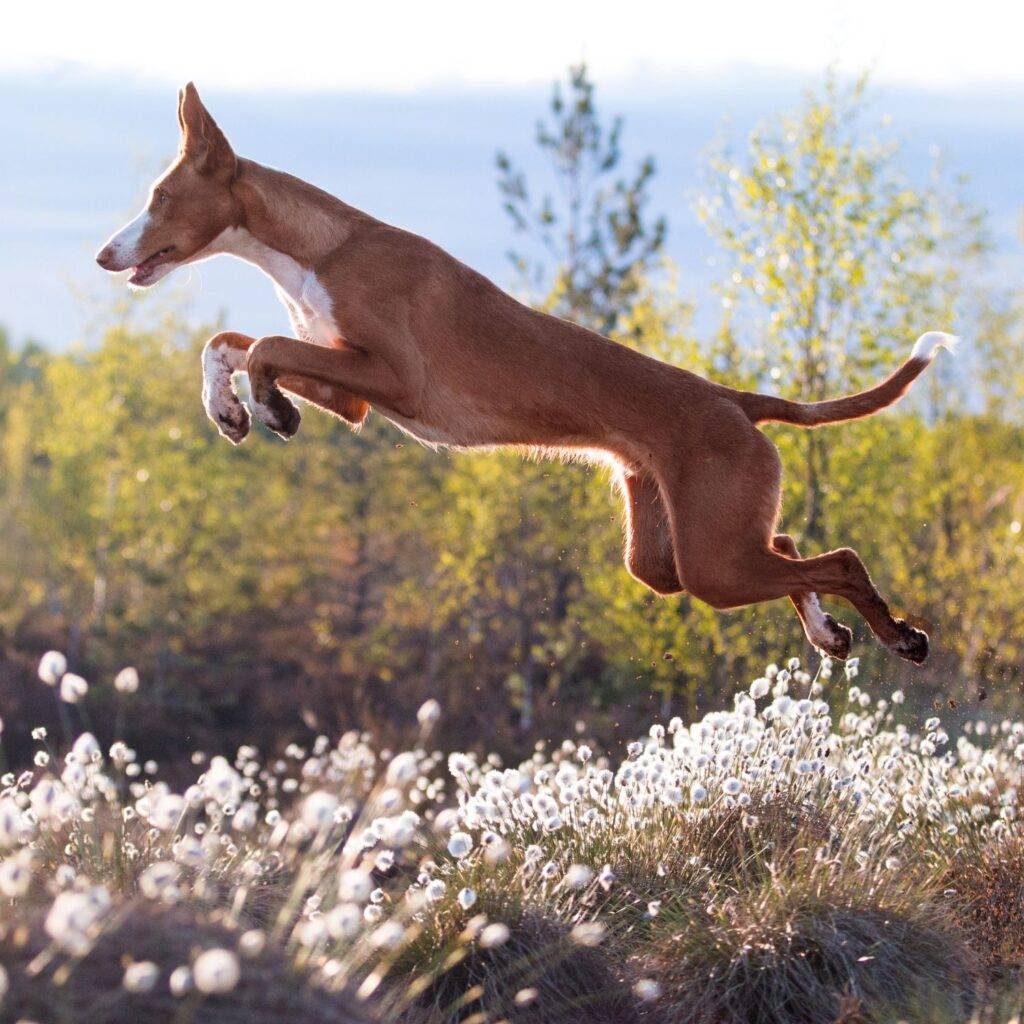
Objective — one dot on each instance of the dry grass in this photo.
(987, 883)
(91, 990)
(540, 975)
(799, 952)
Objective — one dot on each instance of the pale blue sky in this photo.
(399, 108)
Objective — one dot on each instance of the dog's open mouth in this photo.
(146, 270)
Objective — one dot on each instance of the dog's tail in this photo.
(761, 408)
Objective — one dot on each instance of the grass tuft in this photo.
(807, 857)
(91, 989)
(800, 953)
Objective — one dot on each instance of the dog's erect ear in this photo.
(202, 142)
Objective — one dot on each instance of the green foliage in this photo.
(376, 573)
(595, 230)
(834, 263)
(838, 262)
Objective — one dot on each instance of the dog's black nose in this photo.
(105, 257)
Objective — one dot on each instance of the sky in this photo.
(403, 46)
(399, 109)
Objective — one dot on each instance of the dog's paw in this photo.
(912, 644)
(229, 416)
(278, 413)
(835, 640)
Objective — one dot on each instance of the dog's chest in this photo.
(303, 294)
(311, 312)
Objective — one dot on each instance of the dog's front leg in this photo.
(224, 355)
(334, 400)
(375, 376)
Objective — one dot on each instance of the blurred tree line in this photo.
(342, 578)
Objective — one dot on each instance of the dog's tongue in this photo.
(143, 270)
(139, 273)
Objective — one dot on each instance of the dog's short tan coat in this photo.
(388, 320)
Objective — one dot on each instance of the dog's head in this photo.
(190, 204)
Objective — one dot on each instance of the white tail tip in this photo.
(928, 344)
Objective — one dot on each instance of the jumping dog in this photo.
(386, 320)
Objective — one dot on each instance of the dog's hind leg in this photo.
(328, 397)
(822, 630)
(723, 507)
(730, 571)
(648, 537)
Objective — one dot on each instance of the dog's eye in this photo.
(160, 197)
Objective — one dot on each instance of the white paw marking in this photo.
(221, 402)
(283, 419)
(819, 629)
(265, 414)
(219, 398)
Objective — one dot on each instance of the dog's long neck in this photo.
(283, 220)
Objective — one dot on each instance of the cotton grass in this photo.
(808, 853)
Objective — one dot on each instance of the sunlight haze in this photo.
(389, 47)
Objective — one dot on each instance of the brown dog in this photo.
(387, 319)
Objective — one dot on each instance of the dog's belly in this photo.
(452, 420)
(429, 434)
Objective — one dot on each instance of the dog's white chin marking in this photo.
(128, 255)
(929, 344)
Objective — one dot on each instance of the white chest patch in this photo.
(308, 304)
(313, 315)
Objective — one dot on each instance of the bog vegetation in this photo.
(803, 857)
(188, 840)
